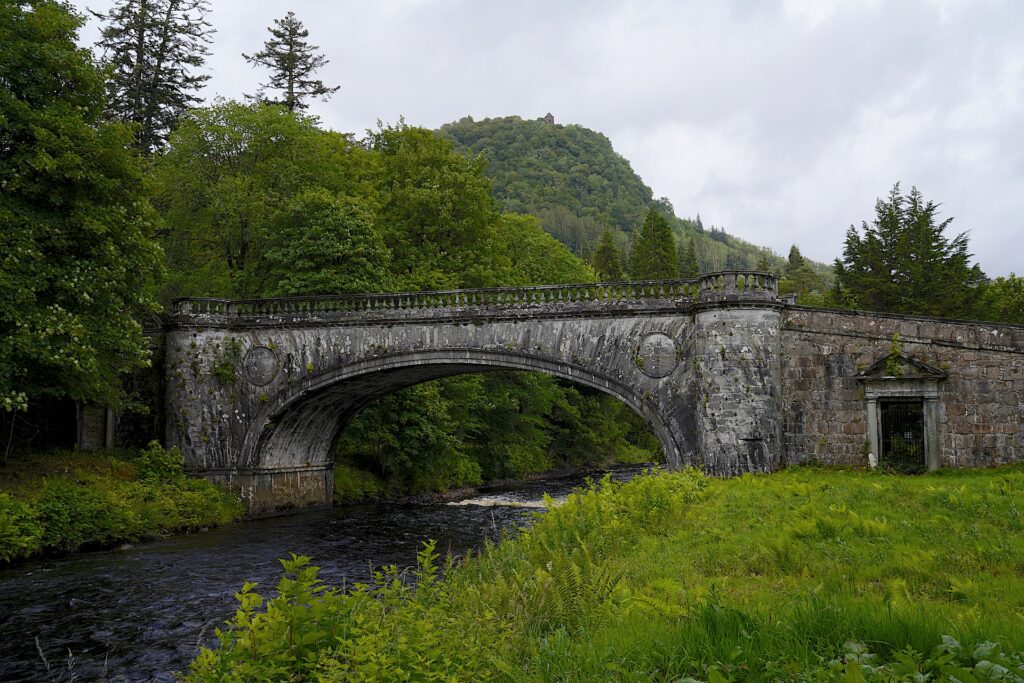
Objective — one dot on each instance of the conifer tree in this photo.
(653, 254)
(689, 266)
(607, 260)
(292, 62)
(796, 259)
(800, 278)
(153, 50)
(903, 263)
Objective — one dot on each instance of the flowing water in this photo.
(137, 613)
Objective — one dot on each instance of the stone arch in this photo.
(296, 426)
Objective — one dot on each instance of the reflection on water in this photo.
(139, 612)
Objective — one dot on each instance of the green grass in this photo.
(64, 501)
(808, 574)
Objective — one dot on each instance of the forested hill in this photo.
(572, 179)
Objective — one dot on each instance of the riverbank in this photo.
(806, 574)
(61, 502)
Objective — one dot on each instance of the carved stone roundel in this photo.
(656, 356)
(261, 365)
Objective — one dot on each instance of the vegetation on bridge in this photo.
(808, 574)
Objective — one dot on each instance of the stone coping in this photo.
(739, 286)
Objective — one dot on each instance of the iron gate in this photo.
(902, 435)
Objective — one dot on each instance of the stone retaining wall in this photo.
(824, 410)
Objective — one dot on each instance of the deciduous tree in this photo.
(77, 264)
(323, 244)
(437, 214)
(1002, 300)
(229, 171)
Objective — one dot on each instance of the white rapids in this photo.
(505, 501)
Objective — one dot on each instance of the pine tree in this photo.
(292, 62)
(153, 49)
(607, 260)
(800, 278)
(904, 264)
(653, 254)
(689, 267)
(796, 259)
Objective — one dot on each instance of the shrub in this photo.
(353, 485)
(74, 514)
(678, 577)
(19, 529)
(98, 500)
(157, 462)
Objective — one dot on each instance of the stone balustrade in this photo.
(709, 288)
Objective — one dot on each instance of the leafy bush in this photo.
(157, 462)
(383, 630)
(101, 500)
(948, 661)
(388, 630)
(353, 485)
(74, 514)
(19, 529)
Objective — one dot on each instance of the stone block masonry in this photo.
(728, 378)
(824, 416)
(257, 391)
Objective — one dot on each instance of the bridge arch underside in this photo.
(297, 428)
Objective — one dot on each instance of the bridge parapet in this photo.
(738, 286)
(710, 288)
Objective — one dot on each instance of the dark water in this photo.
(138, 613)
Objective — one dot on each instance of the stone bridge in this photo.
(729, 378)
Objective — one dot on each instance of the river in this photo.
(137, 613)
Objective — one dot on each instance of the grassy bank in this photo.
(61, 502)
(807, 574)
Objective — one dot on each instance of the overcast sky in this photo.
(780, 121)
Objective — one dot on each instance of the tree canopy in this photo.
(229, 172)
(1002, 300)
(800, 278)
(902, 262)
(324, 244)
(572, 179)
(607, 259)
(652, 255)
(153, 50)
(292, 62)
(77, 263)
